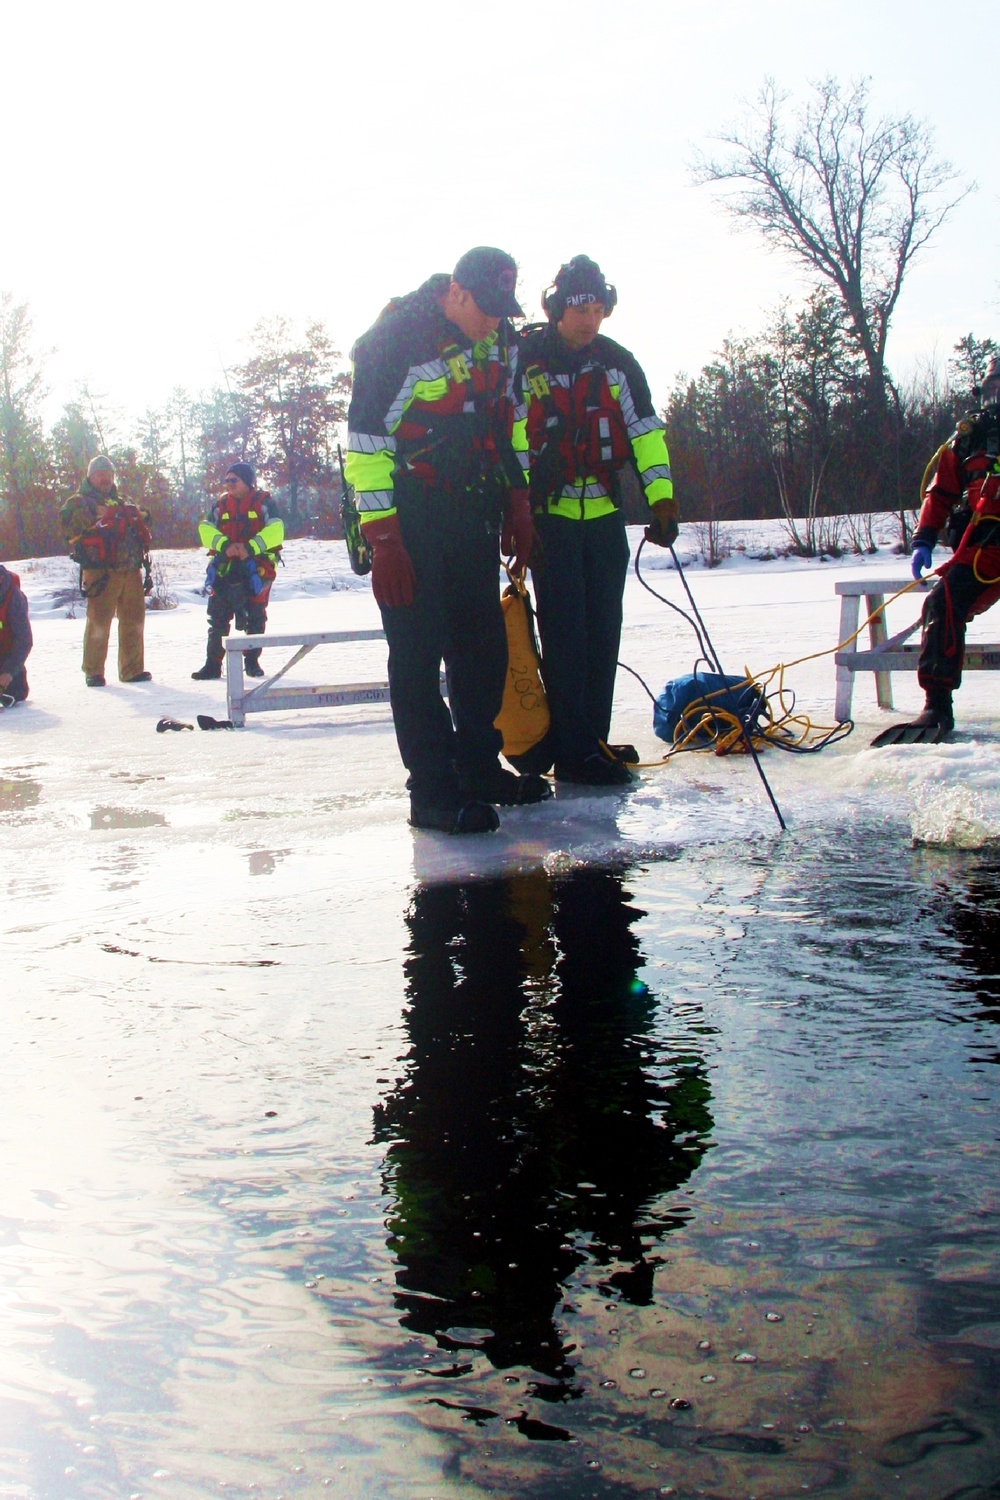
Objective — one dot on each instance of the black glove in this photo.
(663, 528)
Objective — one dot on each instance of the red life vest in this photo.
(454, 440)
(240, 517)
(100, 546)
(575, 431)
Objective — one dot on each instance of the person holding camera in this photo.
(244, 538)
(110, 540)
(964, 497)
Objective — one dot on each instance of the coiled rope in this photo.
(710, 727)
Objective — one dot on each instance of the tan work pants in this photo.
(122, 595)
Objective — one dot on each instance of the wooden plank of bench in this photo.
(877, 660)
(264, 697)
(978, 658)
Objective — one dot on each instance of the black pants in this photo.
(18, 688)
(456, 618)
(232, 597)
(579, 581)
(945, 615)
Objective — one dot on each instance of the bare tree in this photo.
(851, 197)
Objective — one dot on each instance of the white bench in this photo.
(266, 698)
(886, 653)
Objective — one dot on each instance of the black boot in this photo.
(494, 784)
(594, 770)
(452, 815)
(939, 712)
(215, 653)
(251, 664)
(211, 669)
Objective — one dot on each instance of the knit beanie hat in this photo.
(244, 472)
(578, 282)
(100, 465)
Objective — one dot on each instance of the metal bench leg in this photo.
(850, 609)
(234, 688)
(879, 636)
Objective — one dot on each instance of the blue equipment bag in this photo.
(701, 692)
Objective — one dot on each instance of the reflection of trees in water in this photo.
(975, 921)
(535, 1112)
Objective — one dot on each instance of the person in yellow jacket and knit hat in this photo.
(589, 414)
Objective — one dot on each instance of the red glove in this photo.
(517, 534)
(663, 518)
(393, 579)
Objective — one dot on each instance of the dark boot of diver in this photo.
(929, 728)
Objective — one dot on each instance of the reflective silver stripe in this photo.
(367, 442)
(374, 499)
(658, 471)
(643, 425)
(590, 491)
(523, 460)
(616, 377)
(434, 370)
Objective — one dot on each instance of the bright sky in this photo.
(173, 173)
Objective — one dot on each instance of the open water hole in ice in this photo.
(675, 1177)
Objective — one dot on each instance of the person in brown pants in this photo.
(109, 539)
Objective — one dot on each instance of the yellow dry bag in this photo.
(523, 719)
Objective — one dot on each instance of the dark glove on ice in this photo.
(921, 562)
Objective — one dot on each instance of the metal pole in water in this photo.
(729, 692)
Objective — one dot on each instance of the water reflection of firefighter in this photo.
(531, 1114)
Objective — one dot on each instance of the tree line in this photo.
(801, 419)
(782, 424)
(281, 410)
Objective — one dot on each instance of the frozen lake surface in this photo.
(634, 1150)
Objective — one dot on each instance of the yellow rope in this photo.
(787, 727)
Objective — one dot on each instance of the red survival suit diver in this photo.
(968, 470)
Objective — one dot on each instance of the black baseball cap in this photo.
(491, 276)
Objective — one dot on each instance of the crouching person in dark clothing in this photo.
(15, 640)
(244, 537)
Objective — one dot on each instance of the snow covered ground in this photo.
(311, 777)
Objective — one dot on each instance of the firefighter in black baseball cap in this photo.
(438, 487)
